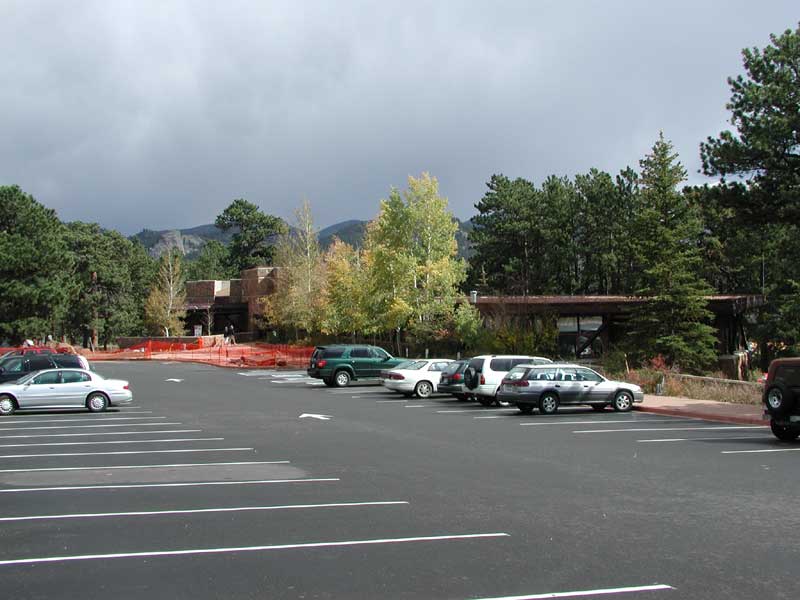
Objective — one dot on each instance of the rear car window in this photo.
(328, 352)
(477, 364)
(516, 373)
(454, 367)
(415, 366)
(788, 375)
(67, 360)
(74, 377)
(37, 363)
(542, 374)
(500, 364)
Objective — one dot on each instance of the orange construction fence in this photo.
(233, 355)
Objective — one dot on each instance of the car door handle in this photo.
(558, 385)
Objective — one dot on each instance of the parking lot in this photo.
(258, 484)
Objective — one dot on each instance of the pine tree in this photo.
(674, 320)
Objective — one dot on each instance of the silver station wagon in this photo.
(547, 387)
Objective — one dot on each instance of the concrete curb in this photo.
(707, 415)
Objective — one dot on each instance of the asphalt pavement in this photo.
(261, 484)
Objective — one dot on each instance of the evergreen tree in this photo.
(35, 270)
(674, 321)
(252, 244)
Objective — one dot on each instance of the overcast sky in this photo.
(158, 114)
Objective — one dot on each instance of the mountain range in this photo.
(190, 241)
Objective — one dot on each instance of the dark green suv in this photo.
(339, 365)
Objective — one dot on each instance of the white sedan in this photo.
(420, 377)
(63, 388)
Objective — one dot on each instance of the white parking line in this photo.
(387, 401)
(82, 420)
(73, 488)
(45, 435)
(170, 440)
(669, 429)
(598, 422)
(415, 405)
(172, 451)
(704, 439)
(760, 451)
(601, 592)
(433, 538)
(150, 513)
(214, 464)
(88, 426)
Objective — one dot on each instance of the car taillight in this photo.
(397, 376)
(483, 379)
(457, 377)
(522, 383)
(126, 387)
(321, 363)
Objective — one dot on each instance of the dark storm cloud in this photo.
(158, 114)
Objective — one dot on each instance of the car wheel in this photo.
(525, 409)
(97, 402)
(341, 379)
(486, 400)
(623, 401)
(785, 433)
(327, 381)
(598, 407)
(548, 403)
(7, 405)
(779, 400)
(423, 389)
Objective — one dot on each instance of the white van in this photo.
(484, 374)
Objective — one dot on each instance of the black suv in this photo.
(14, 367)
(782, 398)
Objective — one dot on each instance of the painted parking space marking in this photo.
(583, 593)
(599, 421)
(388, 401)
(123, 452)
(760, 451)
(50, 435)
(415, 405)
(719, 428)
(197, 551)
(706, 439)
(88, 426)
(76, 488)
(163, 441)
(82, 420)
(180, 465)
(194, 511)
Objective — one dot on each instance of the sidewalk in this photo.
(703, 409)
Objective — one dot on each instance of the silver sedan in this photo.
(63, 388)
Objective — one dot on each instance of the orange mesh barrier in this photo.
(235, 355)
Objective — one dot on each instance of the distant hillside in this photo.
(190, 241)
